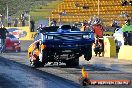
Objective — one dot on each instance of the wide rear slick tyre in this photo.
(88, 53)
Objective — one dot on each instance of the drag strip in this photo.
(61, 74)
(17, 75)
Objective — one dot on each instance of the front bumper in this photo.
(68, 44)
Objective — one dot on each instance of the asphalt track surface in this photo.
(15, 72)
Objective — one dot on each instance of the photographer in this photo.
(3, 32)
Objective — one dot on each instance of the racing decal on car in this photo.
(18, 33)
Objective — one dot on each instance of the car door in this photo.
(8, 42)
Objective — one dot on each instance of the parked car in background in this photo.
(18, 33)
(12, 43)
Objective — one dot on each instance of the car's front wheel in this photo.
(36, 63)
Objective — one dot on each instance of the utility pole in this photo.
(7, 13)
(29, 20)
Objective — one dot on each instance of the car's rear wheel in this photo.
(33, 63)
(88, 53)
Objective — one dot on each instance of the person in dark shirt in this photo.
(15, 22)
(3, 32)
(127, 34)
(32, 25)
(23, 20)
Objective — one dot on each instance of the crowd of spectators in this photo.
(14, 21)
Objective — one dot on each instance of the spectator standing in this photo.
(32, 26)
(94, 21)
(23, 19)
(126, 38)
(3, 32)
(53, 22)
(1, 19)
(9, 21)
(41, 26)
(127, 33)
(26, 15)
(85, 23)
(128, 20)
(115, 23)
(98, 21)
(15, 22)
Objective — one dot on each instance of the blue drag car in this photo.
(62, 44)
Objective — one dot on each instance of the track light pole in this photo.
(98, 7)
